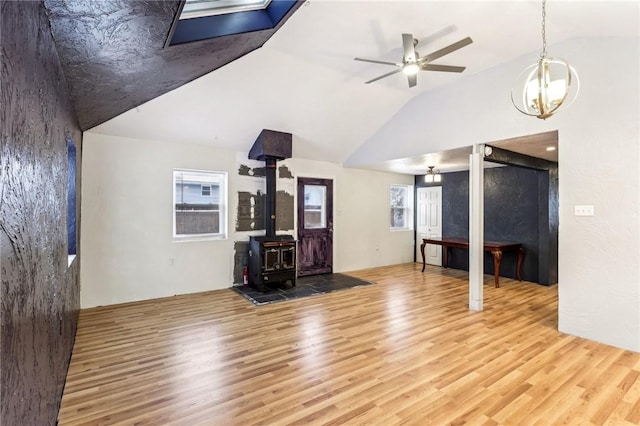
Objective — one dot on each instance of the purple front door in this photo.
(315, 226)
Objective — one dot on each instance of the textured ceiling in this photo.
(113, 57)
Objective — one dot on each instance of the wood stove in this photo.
(272, 261)
(272, 258)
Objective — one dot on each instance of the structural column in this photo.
(476, 227)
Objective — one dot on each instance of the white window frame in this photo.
(201, 8)
(408, 208)
(222, 178)
(208, 188)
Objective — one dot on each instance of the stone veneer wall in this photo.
(40, 293)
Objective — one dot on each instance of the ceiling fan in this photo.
(412, 62)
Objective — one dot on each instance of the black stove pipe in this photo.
(270, 197)
(270, 147)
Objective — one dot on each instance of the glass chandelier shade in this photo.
(432, 175)
(542, 88)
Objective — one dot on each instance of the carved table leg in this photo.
(422, 252)
(520, 257)
(497, 256)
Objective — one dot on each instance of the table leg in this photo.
(445, 249)
(520, 257)
(422, 253)
(497, 256)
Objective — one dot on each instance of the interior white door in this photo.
(429, 223)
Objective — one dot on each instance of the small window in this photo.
(200, 204)
(401, 201)
(71, 197)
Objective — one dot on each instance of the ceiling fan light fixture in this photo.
(412, 62)
(410, 68)
(542, 88)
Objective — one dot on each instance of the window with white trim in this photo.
(401, 202)
(200, 204)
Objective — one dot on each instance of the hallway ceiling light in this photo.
(542, 88)
(432, 175)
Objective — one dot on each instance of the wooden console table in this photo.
(495, 247)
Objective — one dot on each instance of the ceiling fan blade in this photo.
(407, 45)
(383, 76)
(373, 61)
(446, 50)
(413, 80)
(445, 68)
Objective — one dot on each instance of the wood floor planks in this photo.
(404, 351)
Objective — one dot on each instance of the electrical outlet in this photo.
(586, 210)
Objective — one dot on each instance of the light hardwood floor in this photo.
(405, 350)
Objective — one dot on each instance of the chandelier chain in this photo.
(543, 54)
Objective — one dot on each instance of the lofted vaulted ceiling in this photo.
(304, 79)
(113, 57)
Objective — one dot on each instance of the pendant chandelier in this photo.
(432, 175)
(542, 88)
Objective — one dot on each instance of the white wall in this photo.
(361, 215)
(128, 252)
(599, 139)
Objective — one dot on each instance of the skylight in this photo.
(200, 8)
(207, 19)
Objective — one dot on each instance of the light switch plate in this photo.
(586, 210)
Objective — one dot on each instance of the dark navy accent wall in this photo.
(551, 272)
(514, 198)
(455, 205)
(511, 214)
(40, 292)
(543, 227)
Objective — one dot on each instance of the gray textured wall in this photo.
(40, 294)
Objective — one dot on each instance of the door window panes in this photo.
(315, 197)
